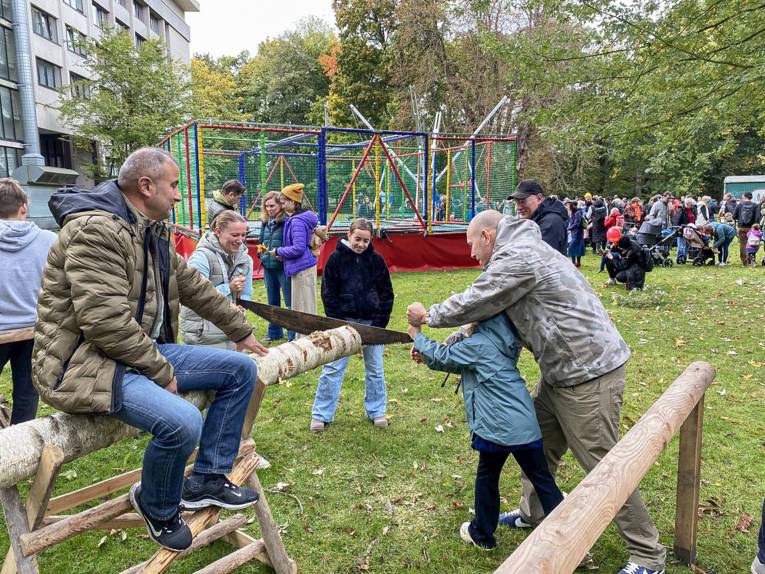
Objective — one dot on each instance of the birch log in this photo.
(77, 435)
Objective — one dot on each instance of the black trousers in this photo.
(24, 396)
(533, 464)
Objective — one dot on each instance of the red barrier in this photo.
(402, 251)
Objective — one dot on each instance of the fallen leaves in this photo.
(744, 522)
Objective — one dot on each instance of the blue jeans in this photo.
(331, 381)
(722, 250)
(25, 397)
(682, 246)
(276, 283)
(177, 426)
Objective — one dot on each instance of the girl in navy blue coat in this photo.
(355, 286)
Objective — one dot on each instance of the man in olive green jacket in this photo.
(105, 341)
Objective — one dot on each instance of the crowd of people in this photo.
(112, 290)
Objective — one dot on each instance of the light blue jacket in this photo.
(497, 404)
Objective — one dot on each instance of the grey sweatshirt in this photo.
(23, 252)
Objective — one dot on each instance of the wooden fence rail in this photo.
(559, 543)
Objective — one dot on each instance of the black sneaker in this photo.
(173, 534)
(215, 490)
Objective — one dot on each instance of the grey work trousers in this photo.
(585, 419)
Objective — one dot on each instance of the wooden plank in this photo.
(39, 494)
(208, 536)
(688, 481)
(253, 408)
(17, 335)
(234, 560)
(240, 539)
(101, 489)
(55, 533)
(282, 563)
(562, 539)
(163, 558)
(127, 520)
(16, 523)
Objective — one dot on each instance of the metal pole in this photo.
(32, 155)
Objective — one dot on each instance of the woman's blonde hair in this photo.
(226, 218)
(276, 196)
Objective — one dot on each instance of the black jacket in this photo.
(552, 218)
(357, 286)
(598, 219)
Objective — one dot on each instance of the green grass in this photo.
(393, 500)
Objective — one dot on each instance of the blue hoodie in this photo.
(23, 253)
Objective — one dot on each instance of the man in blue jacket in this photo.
(23, 251)
(547, 212)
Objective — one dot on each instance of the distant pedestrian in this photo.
(547, 212)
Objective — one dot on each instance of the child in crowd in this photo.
(356, 287)
(753, 240)
(500, 414)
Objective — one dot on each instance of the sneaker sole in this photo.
(137, 507)
(208, 502)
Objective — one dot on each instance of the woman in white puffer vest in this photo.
(221, 256)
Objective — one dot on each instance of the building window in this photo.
(10, 159)
(48, 75)
(7, 55)
(139, 40)
(76, 4)
(80, 86)
(138, 10)
(75, 41)
(5, 9)
(122, 3)
(155, 24)
(122, 25)
(10, 115)
(56, 150)
(100, 16)
(44, 25)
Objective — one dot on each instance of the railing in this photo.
(559, 543)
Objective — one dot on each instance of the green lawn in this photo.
(393, 500)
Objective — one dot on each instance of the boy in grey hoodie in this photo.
(23, 252)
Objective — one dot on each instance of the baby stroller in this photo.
(699, 251)
(657, 242)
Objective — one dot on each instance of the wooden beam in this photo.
(17, 335)
(55, 533)
(281, 562)
(16, 523)
(206, 537)
(252, 409)
(240, 539)
(234, 560)
(127, 520)
(39, 494)
(560, 542)
(77, 435)
(688, 481)
(201, 519)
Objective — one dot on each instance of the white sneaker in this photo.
(263, 463)
(757, 566)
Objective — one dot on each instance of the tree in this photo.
(132, 97)
(215, 90)
(282, 83)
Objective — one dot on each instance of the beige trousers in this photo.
(585, 419)
(303, 291)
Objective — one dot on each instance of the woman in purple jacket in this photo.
(299, 262)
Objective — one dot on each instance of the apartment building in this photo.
(55, 31)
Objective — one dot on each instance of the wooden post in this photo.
(207, 537)
(45, 537)
(688, 479)
(17, 335)
(270, 531)
(253, 408)
(16, 523)
(199, 520)
(234, 560)
(50, 463)
(560, 542)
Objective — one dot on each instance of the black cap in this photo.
(526, 188)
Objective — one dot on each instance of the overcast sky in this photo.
(226, 27)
